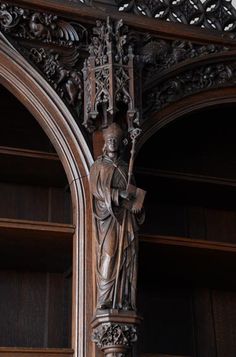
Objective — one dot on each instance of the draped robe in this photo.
(107, 179)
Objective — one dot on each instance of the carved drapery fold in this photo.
(171, 70)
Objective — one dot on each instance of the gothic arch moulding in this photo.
(51, 113)
(193, 103)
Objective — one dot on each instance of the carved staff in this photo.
(133, 135)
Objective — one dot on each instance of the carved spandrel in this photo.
(52, 45)
(189, 82)
(158, 55)
(29, 24)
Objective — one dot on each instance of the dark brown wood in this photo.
(193, 268)
(35, 352)
(31, 302)
(186, 176)
(35, 229)
(187, 242)
(54, 118)
(223, 305)
(165, 29)
(35, 245)
(110, 183)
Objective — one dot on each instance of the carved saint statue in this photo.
(117, 214)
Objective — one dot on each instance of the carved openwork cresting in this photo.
(211, 14)
(109, 76)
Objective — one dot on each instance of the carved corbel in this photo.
(115, 332)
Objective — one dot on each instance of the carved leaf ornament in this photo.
(114, 334)
(51, 44)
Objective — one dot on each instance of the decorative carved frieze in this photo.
(29, 24)
(189, 82)
(161, 55)
(52, 45)
(109, 76)
(211, 14)
(61, 73)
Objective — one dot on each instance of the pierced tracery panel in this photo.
(211, 14)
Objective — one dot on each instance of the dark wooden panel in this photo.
(35, 203)
(21, 130)
(32, 309)
(34, 352)
(203, 323)
(67, 326)
(167, 326)
(224, 310)
(35, 245)
(25, 166)
(23, 295)
(56, 311)
(196, 225)
(23, 202)
(221, 225)
(60, 207)
(164, 218)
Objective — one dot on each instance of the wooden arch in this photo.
(39, 98)
(185, 106)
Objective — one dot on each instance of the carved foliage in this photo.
(112, 334)
(34, 25)
(61, 73)
(52, 44)
(212, 14)
(160, 55)
(190, 82)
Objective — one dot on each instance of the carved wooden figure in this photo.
(116, 265)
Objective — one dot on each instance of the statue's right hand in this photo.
(124, 194)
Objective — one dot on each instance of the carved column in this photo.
(109, 98)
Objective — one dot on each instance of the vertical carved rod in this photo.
(134, 134)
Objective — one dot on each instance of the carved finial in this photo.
(109, 76)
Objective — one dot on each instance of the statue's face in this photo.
(112, 144)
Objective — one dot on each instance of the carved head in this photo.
(112, 136)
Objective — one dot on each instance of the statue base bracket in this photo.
(115, 331)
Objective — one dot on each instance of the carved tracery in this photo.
(168, 70)
(109, 75)
(218, 14)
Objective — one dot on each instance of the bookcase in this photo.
(36, 239)
(187, 254)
